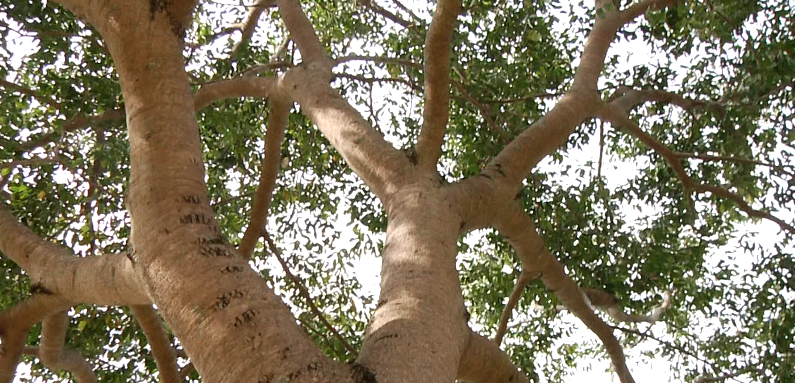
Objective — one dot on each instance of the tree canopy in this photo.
(660, 176)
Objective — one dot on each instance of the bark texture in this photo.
(230, 323)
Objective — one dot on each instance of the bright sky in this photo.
(653, 370)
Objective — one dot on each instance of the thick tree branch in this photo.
(165, 355)
(108, 279)
(604, 301)
(52, 353)
(250, 25)
(520, 232)
(546, 135)
(14, 325)
(549, 133)
(305, 294)
(247, 86)
(484, 362)
(524, 279)
(277, 122)
(302, 31)
(31, 311)
(11, 349)
(436, 112)
(376, 161)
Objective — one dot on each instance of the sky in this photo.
(655, 370)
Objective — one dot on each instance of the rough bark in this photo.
(176, 243)
(233, 327)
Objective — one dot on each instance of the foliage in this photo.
(630, 231)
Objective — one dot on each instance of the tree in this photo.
(129, 135)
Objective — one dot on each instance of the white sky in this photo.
(654, 371)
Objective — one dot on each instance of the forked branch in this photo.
(14, 325)
(546, 135)
(250, 25)
(374, 160)
(520, 232)
(108, 279)
(55, 357)
(617, 116)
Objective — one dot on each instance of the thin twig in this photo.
(523, 98)
(665, 343)
(231, 199)
(305, 294)
(407, 10)
(601, 151)
(75, 123)
(371, 80)
(370, 4)
(709, 157)
(380, 60)
(257, 69)
(484, 111)
(744, 206)
(30, 92)
(317, 332)
(617, 116)
(720, 378)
